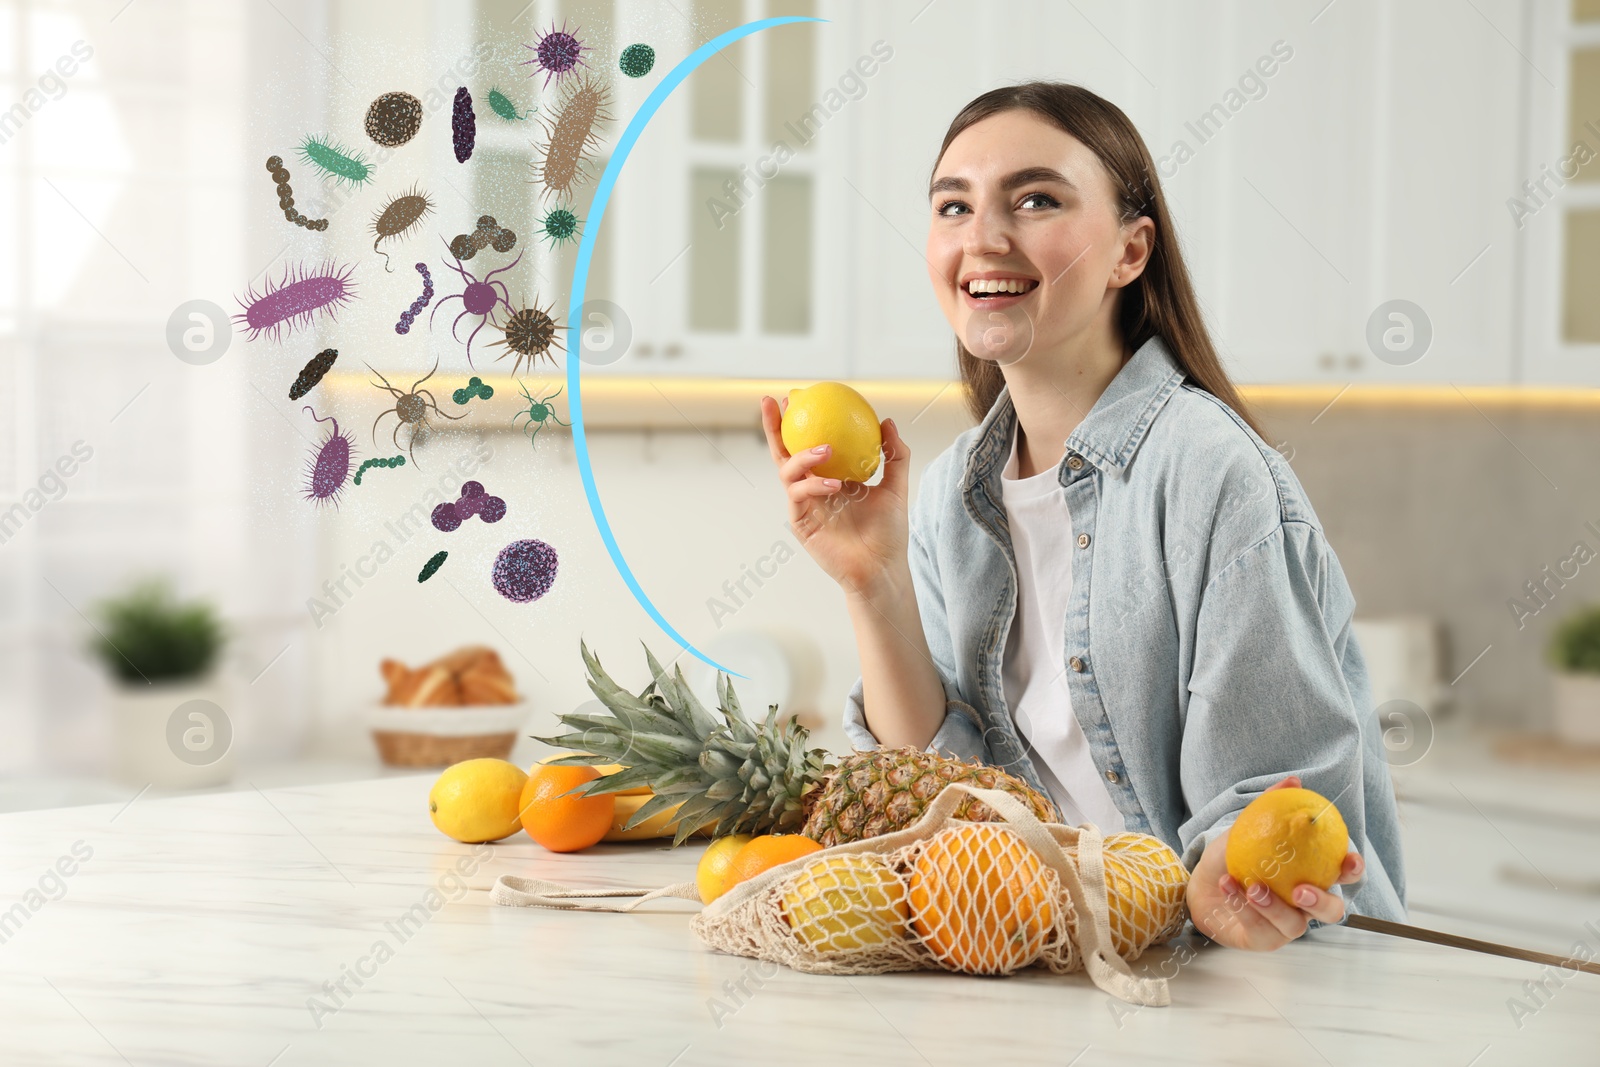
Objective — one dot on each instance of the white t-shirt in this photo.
(1034, 669)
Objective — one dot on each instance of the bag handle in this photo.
(517, 892)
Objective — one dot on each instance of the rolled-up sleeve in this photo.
(1271, 693)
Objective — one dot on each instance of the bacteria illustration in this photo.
(409, 315)
(463, 125)
(556, 53)
(474, 387)
(571, 136)
(637, 60)
(501, 105)
(482, 298)
(411, 409)
(489, 232)
(393, 119)
(286, 196)
(330, 463)
(538, 413)
(473, 501)
(296, 301)
(560, 224)
(430, 568)
(346, 167)
(530, 333)
(393, 461)
(524, 571)
(312, 373)
(401, 215)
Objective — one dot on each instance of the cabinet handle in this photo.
(645, 349)
(673, 351)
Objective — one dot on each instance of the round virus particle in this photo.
(312, 373)
(463, 125)
(556, 52)
(296, 301)
(393, 119)
(501, 105)
(329, 466)
(525, 570)
(530, 333)
(571, 137)
(636, 60)
(401, 215)
(559, 225)
(430, 568)
(335, 161)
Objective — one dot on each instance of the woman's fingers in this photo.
(1291, 782)
(803, 490)
(1290, 921)
(772, 426)
(1352, 868)
(1251, 929)
(799, 465)
(896, 459)
(1319, 904)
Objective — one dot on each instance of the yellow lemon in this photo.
(1285, 837)
(846, 904)
(711, 876)
(830, 413)
(1145, 884)
(478, 800)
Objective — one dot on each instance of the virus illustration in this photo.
(312, 373)
(393, 461)
(489, 232)
(559, 225)
(473, 501)
(530, 333)
(539, 412)
(463, 125)
(393, 119)
(556, 53)
(570, 136)
(409, 315)
(412, 410)
(637, 60)
(296, 301)
(501, 105)
(430, 568)
(329, 465)
(286, 196)
(482, 298)
(474, 387)
(347, 168)
(399, 217)
(525, 570)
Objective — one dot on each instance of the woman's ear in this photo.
(1138, 241)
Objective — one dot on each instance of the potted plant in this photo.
(1575, 652)
(169, 727)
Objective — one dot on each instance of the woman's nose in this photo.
(988, 235)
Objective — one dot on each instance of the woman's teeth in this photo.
(981, 287)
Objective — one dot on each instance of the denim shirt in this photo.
(1207, 646)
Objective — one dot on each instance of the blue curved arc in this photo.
(580, 284)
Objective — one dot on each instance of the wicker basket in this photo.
(438, 737)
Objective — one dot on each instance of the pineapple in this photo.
(749, 779)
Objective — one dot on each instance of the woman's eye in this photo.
(952, 207)
(1039, 200)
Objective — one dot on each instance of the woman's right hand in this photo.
(855, 532)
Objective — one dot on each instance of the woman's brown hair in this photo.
(1161, 300)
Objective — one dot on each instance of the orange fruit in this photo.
(564, 823)
(765, 852)
(711, 875)
(980, 899)
(1285, 837)
(1145, 886)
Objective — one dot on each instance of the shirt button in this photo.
(1076, 664)
(1075, 462)
(1113, 776)
(1083, 540)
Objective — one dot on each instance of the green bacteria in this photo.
(560, 225)
(397, 461)
(431, 568)
(539, 412)
(335, 161)
(501, 105)
(474, 387)
(637, 60)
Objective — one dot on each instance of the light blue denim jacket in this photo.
(1208, 644)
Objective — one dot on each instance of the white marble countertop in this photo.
(202, 930)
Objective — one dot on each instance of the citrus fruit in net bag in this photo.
(765, 852)
(846, 904)
(1145, 886)
(830, 413)
(981, 900)
(1285, 837)
(477, 800)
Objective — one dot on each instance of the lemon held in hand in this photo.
(478, 800)
(830, 413)
(1285, 837)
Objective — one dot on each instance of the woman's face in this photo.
(1023, 207)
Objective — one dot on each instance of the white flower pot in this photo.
(172, 734)
(1578, 708)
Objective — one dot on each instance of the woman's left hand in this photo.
(1223, 911)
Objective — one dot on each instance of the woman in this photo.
(1111, 587)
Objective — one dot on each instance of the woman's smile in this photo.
(992, 290)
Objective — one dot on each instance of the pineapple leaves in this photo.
(654, 806)
(627, 778)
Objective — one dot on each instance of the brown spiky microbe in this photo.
(530, 333)
(571, 134)
(399, 217)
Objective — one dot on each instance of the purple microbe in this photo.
(329, 467)
(445, 518)
(463, 125)
(525, 570)
(556, 52)
(295, 302)
(481, 298)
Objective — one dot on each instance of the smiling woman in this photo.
(1211, 657)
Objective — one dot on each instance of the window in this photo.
(1580, 266)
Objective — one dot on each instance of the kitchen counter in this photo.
(219, 929)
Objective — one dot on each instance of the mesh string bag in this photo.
(944, 893)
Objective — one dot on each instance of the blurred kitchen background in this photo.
(1324, 159)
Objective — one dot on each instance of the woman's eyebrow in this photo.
(1014, 180)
